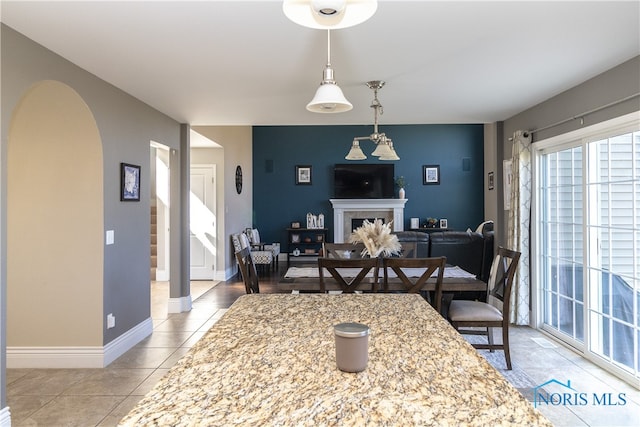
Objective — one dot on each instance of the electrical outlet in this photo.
(111, 321)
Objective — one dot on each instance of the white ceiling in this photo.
(245, 63)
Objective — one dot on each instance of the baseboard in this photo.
(5, 417)
(162, 275)
(126, 341)
(179, 305)
(78, 357)
(229, 273)
(220, 275)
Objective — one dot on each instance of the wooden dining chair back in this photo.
(407, 269)
(359, 270)
(248, 271)
(494, 312)
(343, 250)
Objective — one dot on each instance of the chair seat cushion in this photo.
(472, 311)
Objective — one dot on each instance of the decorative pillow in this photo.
(244, 240)
(255, 236)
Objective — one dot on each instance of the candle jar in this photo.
(352, 346)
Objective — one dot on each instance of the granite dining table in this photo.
(270, 360)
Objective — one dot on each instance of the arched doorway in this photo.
(55, 222)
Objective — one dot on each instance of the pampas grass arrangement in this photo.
(377, 239)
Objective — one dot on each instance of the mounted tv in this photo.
(363, 181)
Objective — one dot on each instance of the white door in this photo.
(203, 222)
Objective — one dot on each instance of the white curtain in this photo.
(519, 223)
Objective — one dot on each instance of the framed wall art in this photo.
(431, 175)
(303, 175)
(129, 183)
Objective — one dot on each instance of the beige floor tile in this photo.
(22, 407)
(173, 359)
(143, 357)
(47, 381)
(149, 382)
(110, 382)
(74, 411)
(165, 339)
(120, 411)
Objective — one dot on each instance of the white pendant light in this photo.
(329, 97)
(391, 155)
(329, 14)
(356, 152)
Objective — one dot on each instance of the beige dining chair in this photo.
(343, 250)
(248, 271)
(494, 311)
(414, 284)
(336, 266)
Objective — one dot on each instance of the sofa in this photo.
(469, 250)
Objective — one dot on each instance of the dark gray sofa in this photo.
(467, 249)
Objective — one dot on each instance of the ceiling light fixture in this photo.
(329, 97)
(329, 14)
(384, 146)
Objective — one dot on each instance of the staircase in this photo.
(154, 242)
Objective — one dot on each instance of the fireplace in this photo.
(357, 222)
(346, 210)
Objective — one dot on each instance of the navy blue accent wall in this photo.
(277, 200)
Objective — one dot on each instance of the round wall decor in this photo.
(238, 179)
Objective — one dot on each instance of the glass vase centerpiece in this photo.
(377, 239)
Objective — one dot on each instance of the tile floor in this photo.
(101, 397)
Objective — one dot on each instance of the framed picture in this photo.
(129, 183)
(490, 180)
(303, 175)
(319, 237)
(295, 224)
(444, 223)
(431, 174)
(295, 238)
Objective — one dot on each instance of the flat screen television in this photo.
(363, 181)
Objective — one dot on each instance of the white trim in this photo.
(631, 119)
(179, 305)
(162, 275)
(78, 357)
(5, 417)
(126, 341)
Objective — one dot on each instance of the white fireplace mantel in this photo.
(342, 207)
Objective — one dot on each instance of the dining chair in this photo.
(348, 283)
(343, 250)
(494, 311)
(248, 271)
(411, 282)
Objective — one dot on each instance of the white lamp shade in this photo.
(382, 149)
(356, 152)
(329, 99)
(391, 155)
(348, 12)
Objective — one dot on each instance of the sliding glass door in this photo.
(588, 247)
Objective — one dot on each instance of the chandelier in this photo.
(384, 146)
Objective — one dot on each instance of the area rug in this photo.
(516, 376)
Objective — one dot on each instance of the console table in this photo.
(308, 242)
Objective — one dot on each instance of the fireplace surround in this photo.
(345, 210)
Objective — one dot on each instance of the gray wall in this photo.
(618, 83)
(126, 127)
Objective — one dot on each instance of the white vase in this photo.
(401, 193)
